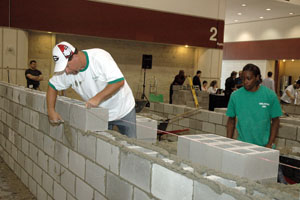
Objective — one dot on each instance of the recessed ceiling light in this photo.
(261, 17)
(293, 60)
(239, 13)
(186, 46)
(283, 60)
(268, 9)
(244, 5)
(291, 13)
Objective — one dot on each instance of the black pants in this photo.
(171, 94)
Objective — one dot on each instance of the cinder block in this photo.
(57, 132)
(25, 146)
(26, 115)
(203, 116)
(32, 186)
(38, 139)
(146, 128)
(94, 119)
(23, 96)
(287, 131)
(43, 160)
(44, 125)
(221, 110)
(59, 192)
(34, 119)
(136, 170)
(41, 193)
(63, 108)
(37, 173)
(54, 169)
(61, 154)
(70, 137)
(221, 130)
(165, 188)
(68, 180)
(99, 196)
(28, 166)
(292, 143)
(14, 152)
(33, 153)
(95, 176)
(24, 177)
(208, 127)
(184, 122)
(48, 183)
(29, 133)
(49, 146)
(77, 164)
(85, 141)
(113, 184)
(70, 197)
(216, 118)
(177, 109)
(22, 128)
(159, 107)
(203, 191)
(83, 190)
(108, 156)
(39, 102)
(225, 119)
(139, 194)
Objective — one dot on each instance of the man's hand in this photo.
(269, 146)
(93, 102)
(55, 118)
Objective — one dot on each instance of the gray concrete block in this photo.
(39, 103)
(184, 122)
(146, 128)
(54, 169)
(287, 131)
(83, 190)
(99, 196)
(136, 170)
(95, 176)
(57, 132)
(18, 141)
(94, 119)
(159, 107)
(38, 139)
(16, 95)
(139, 194)
(48, 183)
(25, 146)
(177, 109)
(117, 189)
(63, 108)
(33, 152)
(203, 116)
(70, 197)
(21, 158)
(68, 180)
(49, 146)
(32, 186)
(26, 115)
(164, 188)
(59, 192)
(70, 137)
(37, 173)
(14, 152)
(168, 108)
(34, 119)
(221, 130)
(41, 193)
(87, 145)
(29, 131)
(298, 133)
(77, 164)
(43, 160)
(22, 128)
(292, 143)
(28, 166)
(23, 97)
(9, 93)
(216, 118)
(44, 125)
(61, 154)
(24, 177)
(107, 156)
(208, 127)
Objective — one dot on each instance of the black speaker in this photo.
(147, 61)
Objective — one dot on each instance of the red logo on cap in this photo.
(66, 51)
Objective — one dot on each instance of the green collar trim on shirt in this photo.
(115, 81)
(52, 86)
(87, 62)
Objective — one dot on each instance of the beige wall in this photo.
(290, 68)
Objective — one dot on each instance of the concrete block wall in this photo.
(217, 152)
(67, 162)
(201, 121)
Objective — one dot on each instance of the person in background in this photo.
(33, 76)
(213, 87)
(239, 81)
(204, 86)
(289, 94)
(269, 82)
(96, 77)
(256, 109)
(178, 80)
(196, 79)
(230, 85)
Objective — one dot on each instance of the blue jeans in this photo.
(126, 125)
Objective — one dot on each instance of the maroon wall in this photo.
(262, 50)
(106, 20)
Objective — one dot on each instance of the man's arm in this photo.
(290, 95)
(274, 131)
(106, 93)
(230, 127)
(35, 78)
(53, 116)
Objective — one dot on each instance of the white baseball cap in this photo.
(61, 53)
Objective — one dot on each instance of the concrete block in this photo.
(23, 96)
(34, 119)
(70, 137)
(61, 154)
(298, 133)
(63, 108)
(177, 109)
(38, 139)
(44, 125)
(43, 160)
(221, 130)
(11, 136)
(185, 122)
(28, 166)
(33, 153)
(17, 170)
(49, 146)
(168, 108)
(287, 131)
(70, 197)
(165, 188)
(29, 132)
(22, 128)
(203, 191)
(39, 103)
(24, 177)
(68, 180)
(57, 132)
(108, 156)
(9, 120)
(83, 190)
(26, 115)
(15, 124)
(41, 193)
(11, 162)
(54, 169)
(280, 143)
(48, 183)
(94, 119)
(85, 141)
(136, 170)
(37, 173)
(95, 176)
(203, 116)
(292, 143)
(77, 164)
(146, 128)
(216, 118)
(223, 181)
(113, 184)
(208, 127)
(14, 152)
(32, 186)
(25, 146)
(139, 194)
(99, 196)
(159, 107)
(59, 192)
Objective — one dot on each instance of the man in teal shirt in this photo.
(256, 109)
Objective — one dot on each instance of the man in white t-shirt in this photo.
(289, 94)
(95, 76)
(269, 82)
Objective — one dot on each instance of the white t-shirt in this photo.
(269, 83)
(285, 97)
(100, 70)
(212, 90)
